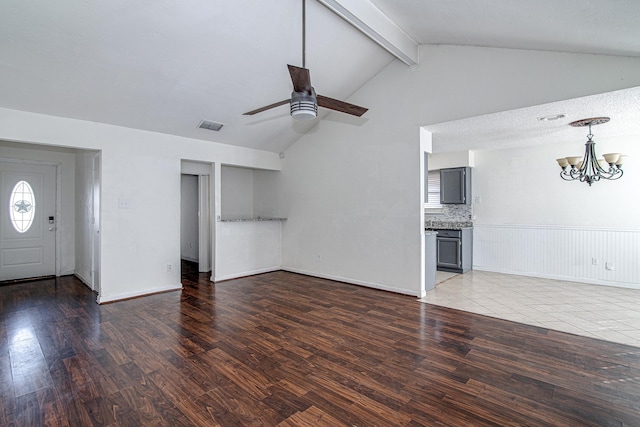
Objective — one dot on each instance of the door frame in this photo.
(203, 170)
(96, 205)
(204, 224)
(58, 202)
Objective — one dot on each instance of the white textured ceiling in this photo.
(164, 65)
(521, 127)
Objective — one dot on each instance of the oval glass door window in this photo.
(22, 206)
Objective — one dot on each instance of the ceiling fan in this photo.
(304, 101)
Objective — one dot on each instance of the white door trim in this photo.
(204, 220)
(96, 241)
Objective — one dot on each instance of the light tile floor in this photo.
(604, 312)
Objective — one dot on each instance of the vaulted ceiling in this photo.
(166, 65)
(580, 26)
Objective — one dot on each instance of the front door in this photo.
(27, 220)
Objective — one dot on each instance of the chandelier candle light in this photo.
(589, 168)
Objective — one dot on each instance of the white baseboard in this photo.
(562, 278)
(84, 280)
(111, 298)
(352, 281)
(244, 274)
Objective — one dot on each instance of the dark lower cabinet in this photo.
(454, 250)
(449, 252)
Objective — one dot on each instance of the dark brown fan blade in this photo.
(268, 107)
(300, 78)
(343, 107)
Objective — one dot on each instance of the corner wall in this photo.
(352, 194)
(531, 222)
(351, 187)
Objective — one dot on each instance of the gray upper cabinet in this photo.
(455, 186)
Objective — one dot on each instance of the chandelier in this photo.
(589, 168)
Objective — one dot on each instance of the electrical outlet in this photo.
(594, 261)
(169, 267)
(319, 258)
(123, 204)
(608, 265)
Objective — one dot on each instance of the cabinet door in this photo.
(452, 186)
(448, 252)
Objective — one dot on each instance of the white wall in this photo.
(65, 159)
(350, 187)
(455, 82)
(237, 192)
(249, 193)
(189, 227)
(143, 169)
(245, 248)
(351, 193)
(523, 186)
(266, 202)
(532, 222)
(451, 159)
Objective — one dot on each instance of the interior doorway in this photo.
(195, 216)
(189, 218)
(64, 208)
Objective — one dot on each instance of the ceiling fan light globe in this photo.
(304, 106)
(303, 115)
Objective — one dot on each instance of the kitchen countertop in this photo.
(446, 225)
(252, 219)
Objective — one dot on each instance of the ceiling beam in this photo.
(370, 20)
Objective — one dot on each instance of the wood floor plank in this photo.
(290, 350)
(311, 417)
(27, 410)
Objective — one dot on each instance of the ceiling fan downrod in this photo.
(304, 105)
(304, 33)
(304, 101)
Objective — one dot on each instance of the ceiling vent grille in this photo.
(209, 125)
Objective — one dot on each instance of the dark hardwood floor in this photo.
(285, 349)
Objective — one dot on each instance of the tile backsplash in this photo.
(452, 213)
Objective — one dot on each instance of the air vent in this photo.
(552, 117)
(209, 125)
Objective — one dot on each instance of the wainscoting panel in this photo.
(577, 254)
